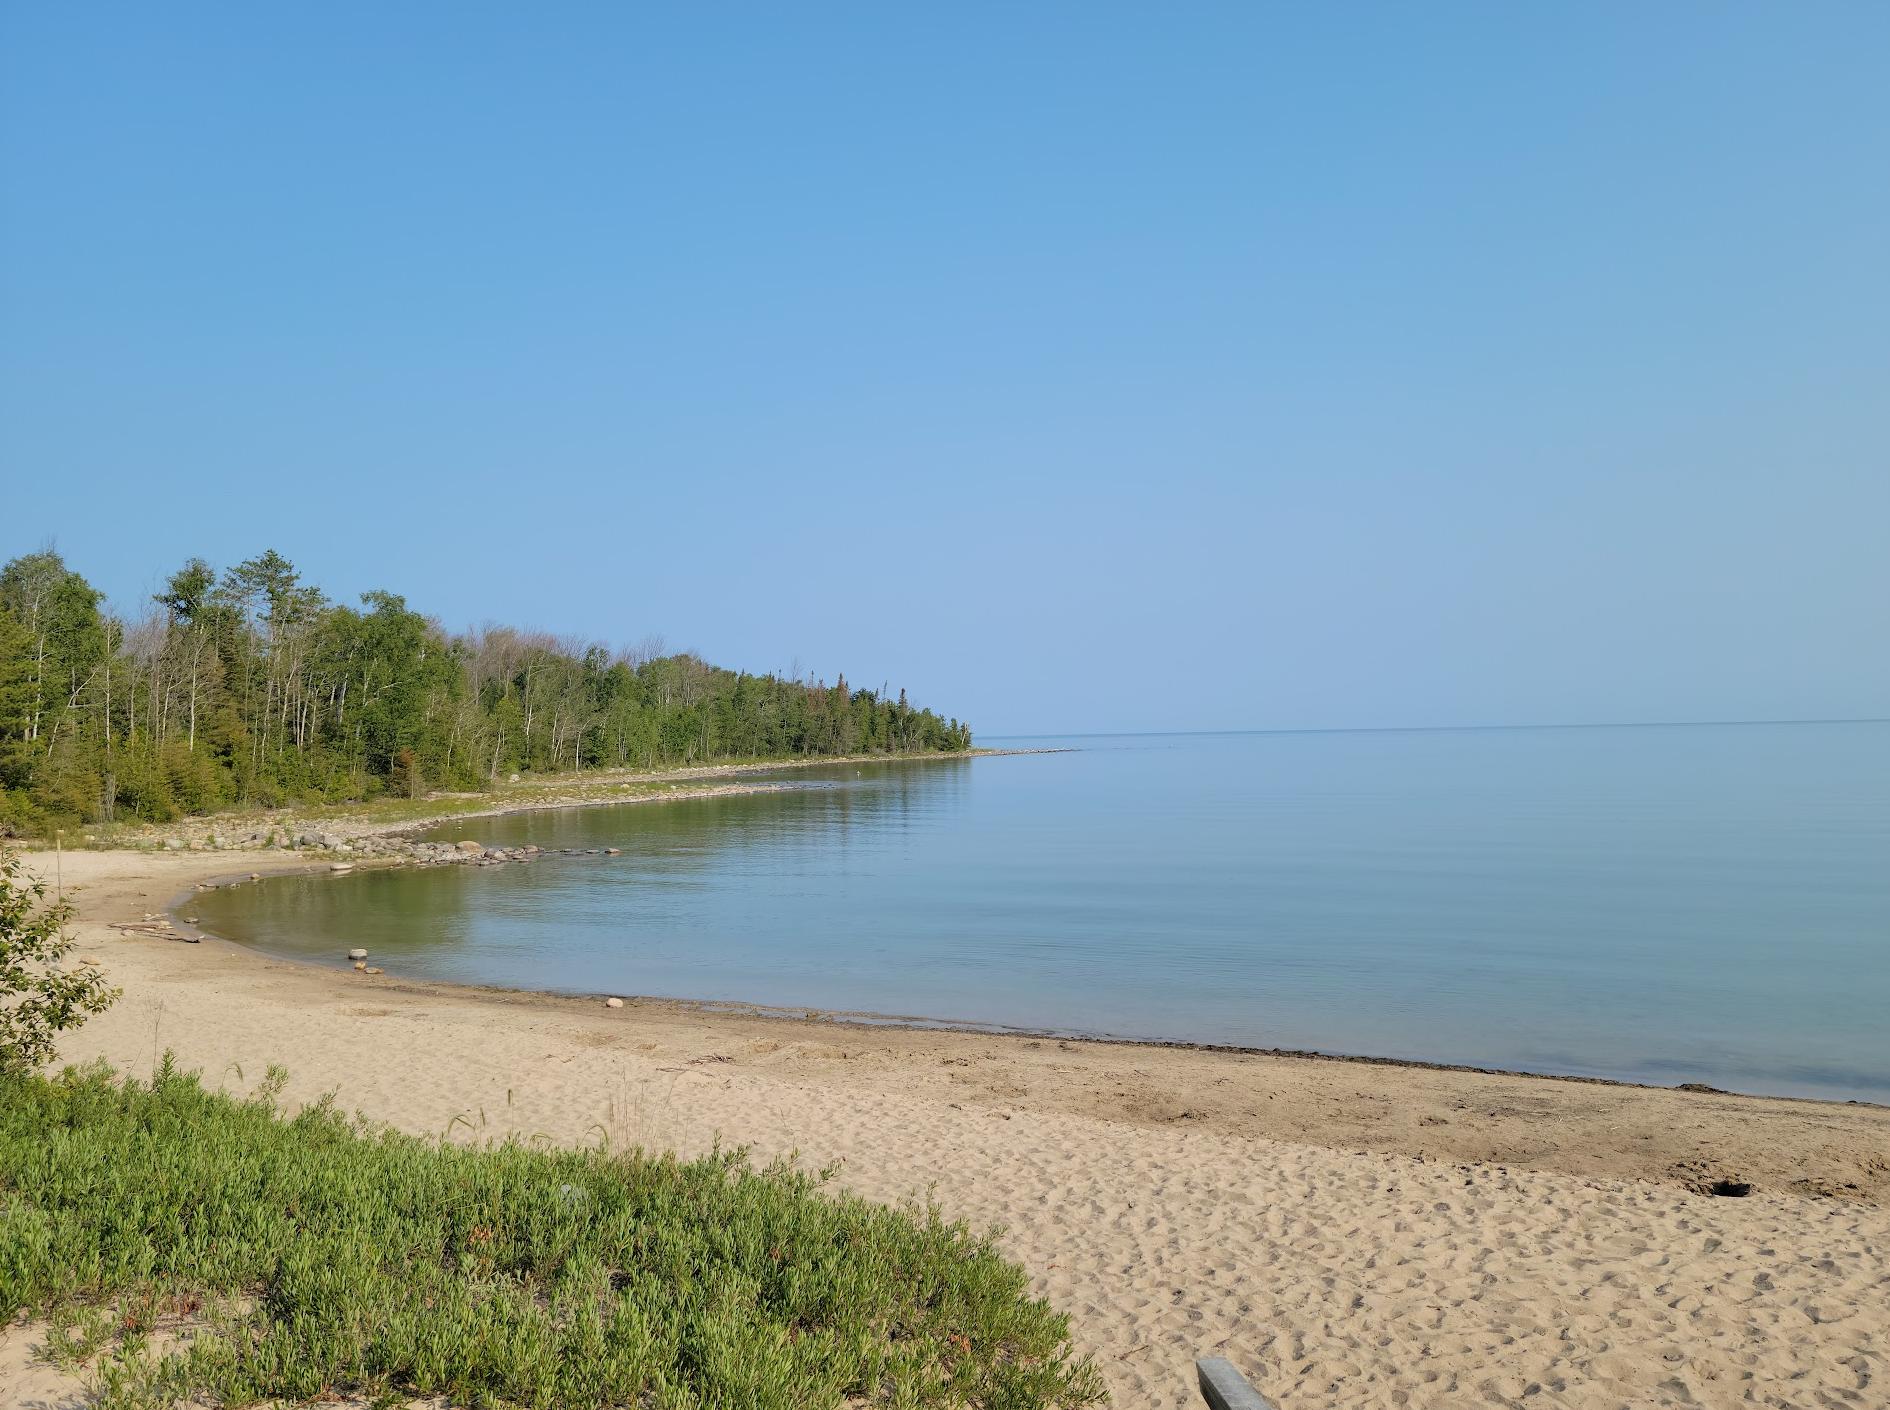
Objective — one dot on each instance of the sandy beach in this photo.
(1406, 482)
(1349, 1234)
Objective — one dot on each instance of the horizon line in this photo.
(1441, 729)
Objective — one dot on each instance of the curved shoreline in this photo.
(868, 1020)
(1654, 1132)
(845, 1017)
(1174, 1201)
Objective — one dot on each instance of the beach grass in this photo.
(189, 1246)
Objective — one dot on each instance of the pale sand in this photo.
(1349, 1235)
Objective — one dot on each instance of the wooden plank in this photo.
(1224, 1388)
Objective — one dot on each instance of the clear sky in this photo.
(1077, 366)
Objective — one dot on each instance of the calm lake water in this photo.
(1664, 904)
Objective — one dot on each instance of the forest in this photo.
(251, 687)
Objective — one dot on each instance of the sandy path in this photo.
(1349, 1235)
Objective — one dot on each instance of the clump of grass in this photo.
(319, 1255)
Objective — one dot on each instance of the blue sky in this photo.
(1076, 367)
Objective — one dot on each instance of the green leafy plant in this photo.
(237, 1256)
(39, 999)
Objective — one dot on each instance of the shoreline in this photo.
(1349, 1233)
(869, 1021)
(539, 793)
(693, 772)
(892, 1028)
(1333, 1069)
(861, 1018)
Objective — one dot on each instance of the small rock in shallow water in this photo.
(613, 851)
(360, 964)
(372, 969)
(613, 1003)
(468, 845)
(357, 954)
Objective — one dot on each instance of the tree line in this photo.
(251, 687)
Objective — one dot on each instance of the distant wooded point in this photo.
(253, 688)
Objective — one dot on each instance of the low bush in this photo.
(316, 1255)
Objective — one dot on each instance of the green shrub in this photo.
(196, 783)
(142, 787)
(330, 1257)
(20, 816)
(38, 999)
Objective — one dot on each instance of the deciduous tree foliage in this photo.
(39, 997)
(252, 687)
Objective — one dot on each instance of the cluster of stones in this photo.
(475, 853)
(391, 848)
(245, 841)
(468, 853)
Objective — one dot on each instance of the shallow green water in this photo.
(1667, 904)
